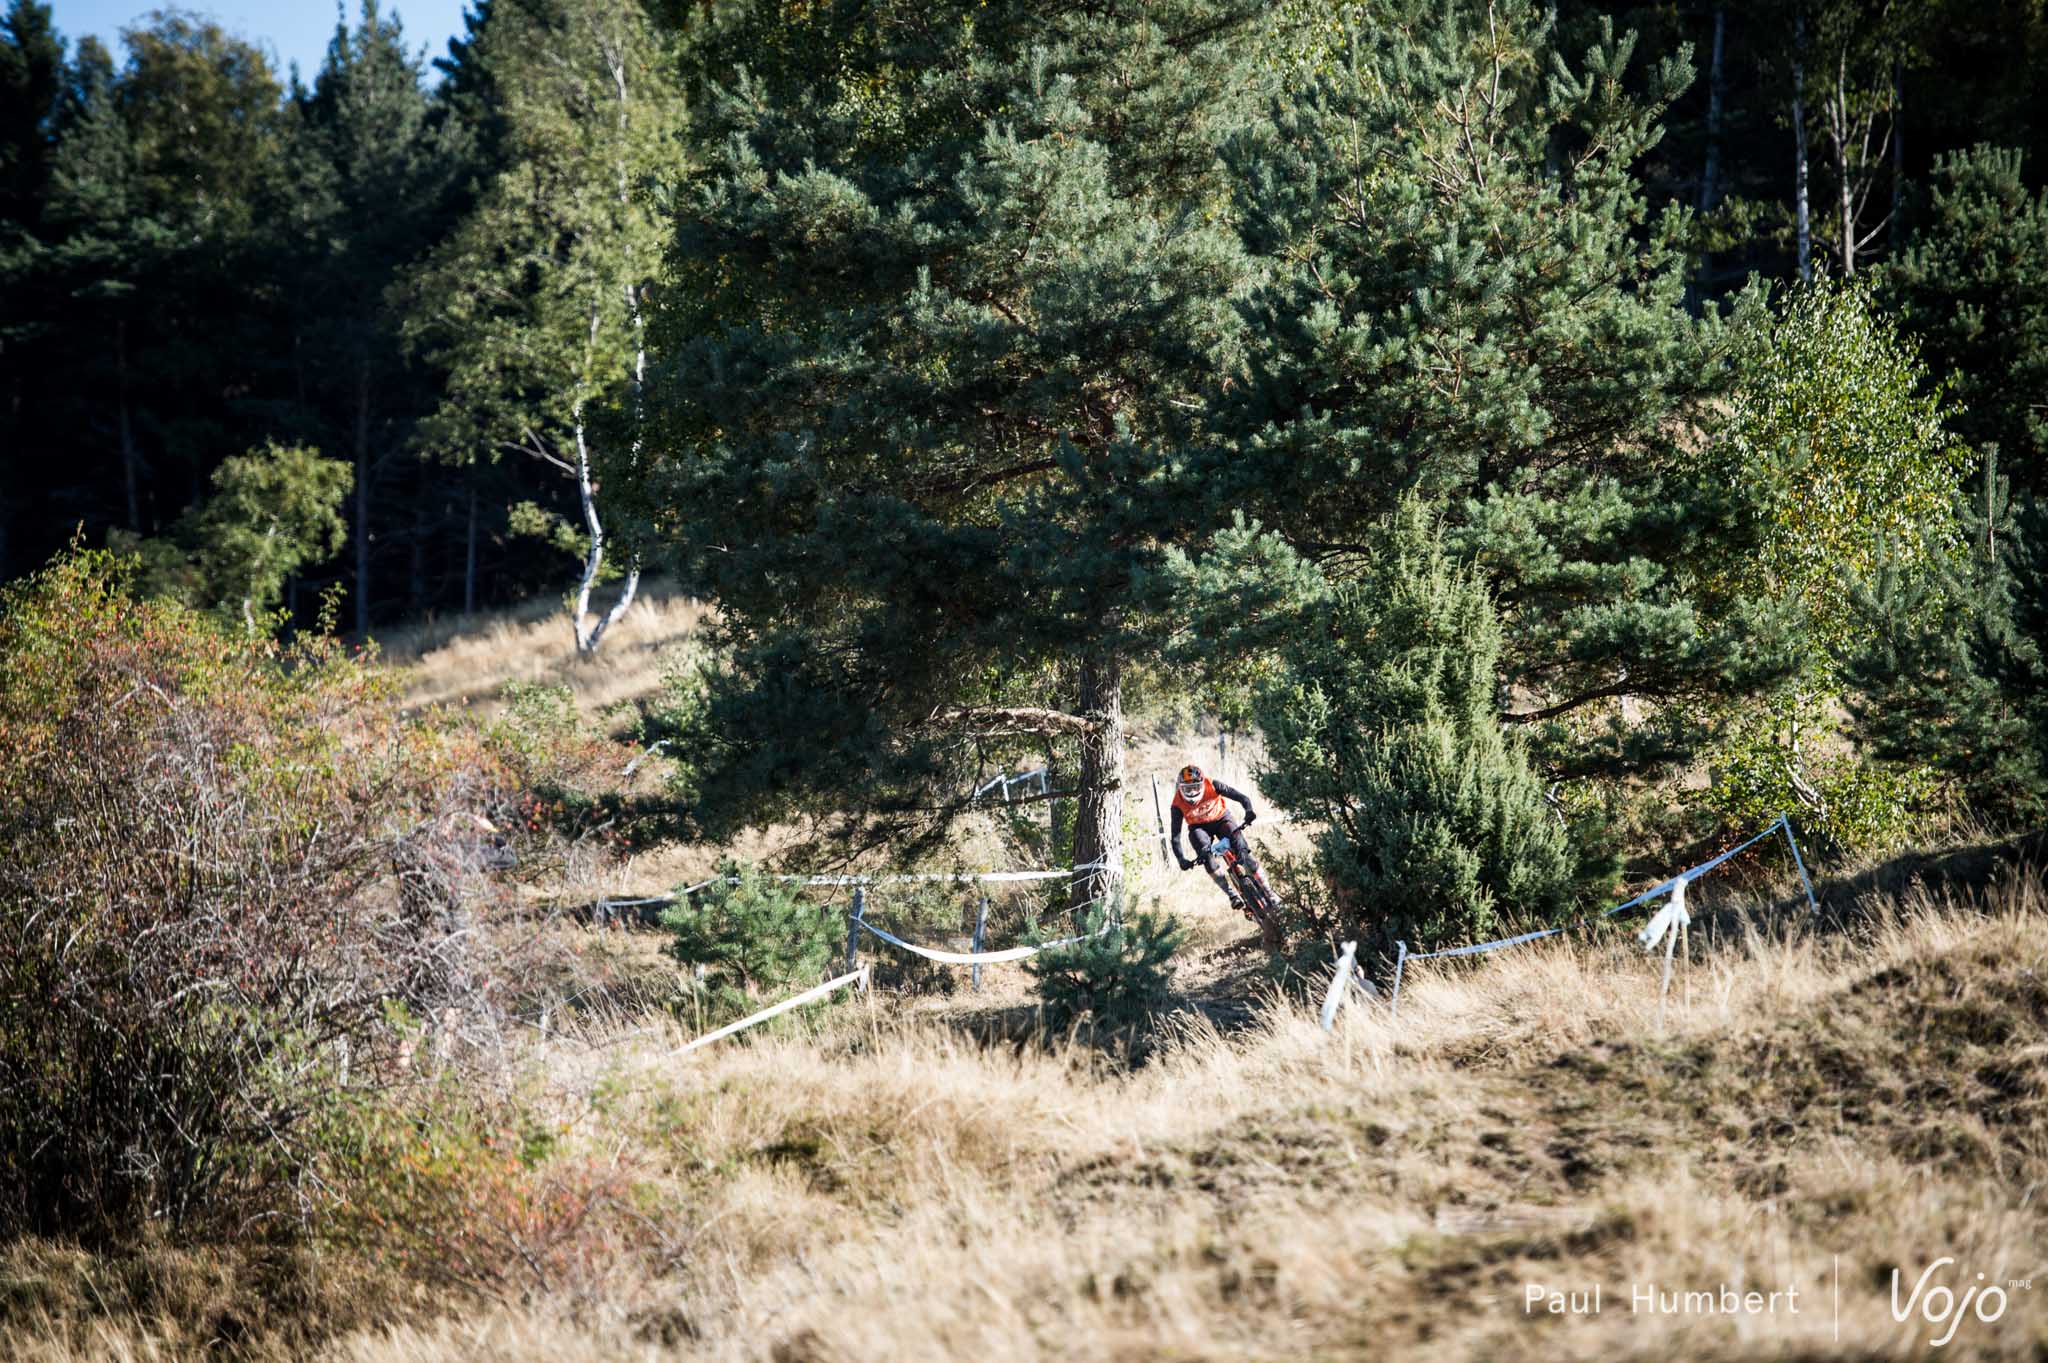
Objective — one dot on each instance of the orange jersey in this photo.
(1208, 809)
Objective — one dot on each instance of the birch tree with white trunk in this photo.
(536, 305)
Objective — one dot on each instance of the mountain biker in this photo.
(1200, 803)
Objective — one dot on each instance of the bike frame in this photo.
(1232, 852)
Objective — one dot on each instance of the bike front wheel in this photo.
(1264, 910)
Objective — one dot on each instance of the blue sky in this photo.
(292, 30)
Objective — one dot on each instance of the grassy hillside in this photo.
(468, 660)
(921, 1173)
(883, 1185)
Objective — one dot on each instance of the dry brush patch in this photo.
(222, 867)
(246, 914)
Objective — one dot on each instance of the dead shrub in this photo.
(226, 867)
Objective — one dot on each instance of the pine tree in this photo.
(1117, 977)
(755, 938)
(168, 182)
(947, 289)
(1466, 295)
(375, 191)
(97, 244)
(31, 78)
(1949, 669)
(1382, 724)
(470, 89)
(1974, 286)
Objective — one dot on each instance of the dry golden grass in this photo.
(880, 1185)
(466, 661)
(899, 1193)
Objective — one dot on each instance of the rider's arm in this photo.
(1173, 840)
(1230, 793)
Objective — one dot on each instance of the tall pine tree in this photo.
(31, 77)
(1465, 295)
(376, 190)
(1974, 286)
(168, 181)
(1950, 667)
(947, 292)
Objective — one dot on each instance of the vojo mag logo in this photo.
(1940, 1307)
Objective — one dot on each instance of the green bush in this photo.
(756, 937)
(274, 512)
(677, 716)
(563, 795)
(1384, 725)
(1788, 753)
(1115, 977)
(1837, 445)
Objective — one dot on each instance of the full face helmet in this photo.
(1191, 783)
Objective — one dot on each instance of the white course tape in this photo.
(635, 903)
(970, 877)
(1669, 918)
(808, 996)
(1478, 947)
(1334, 998)
(950, 957)
(974, 957)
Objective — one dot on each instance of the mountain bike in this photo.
(1265, 912)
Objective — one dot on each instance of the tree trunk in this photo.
(1099, 804)
(1839, 134)
(1801, 211)
(1717, 85)
(469, 552)
(129, 457)
(1710, 173)
(6, 502)
(416, 584)
(631, 289)
(362, 526)
(1895, 227)
(587, 641)
(1052, 806)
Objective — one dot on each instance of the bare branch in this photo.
(992, 720)
(1565, 707)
